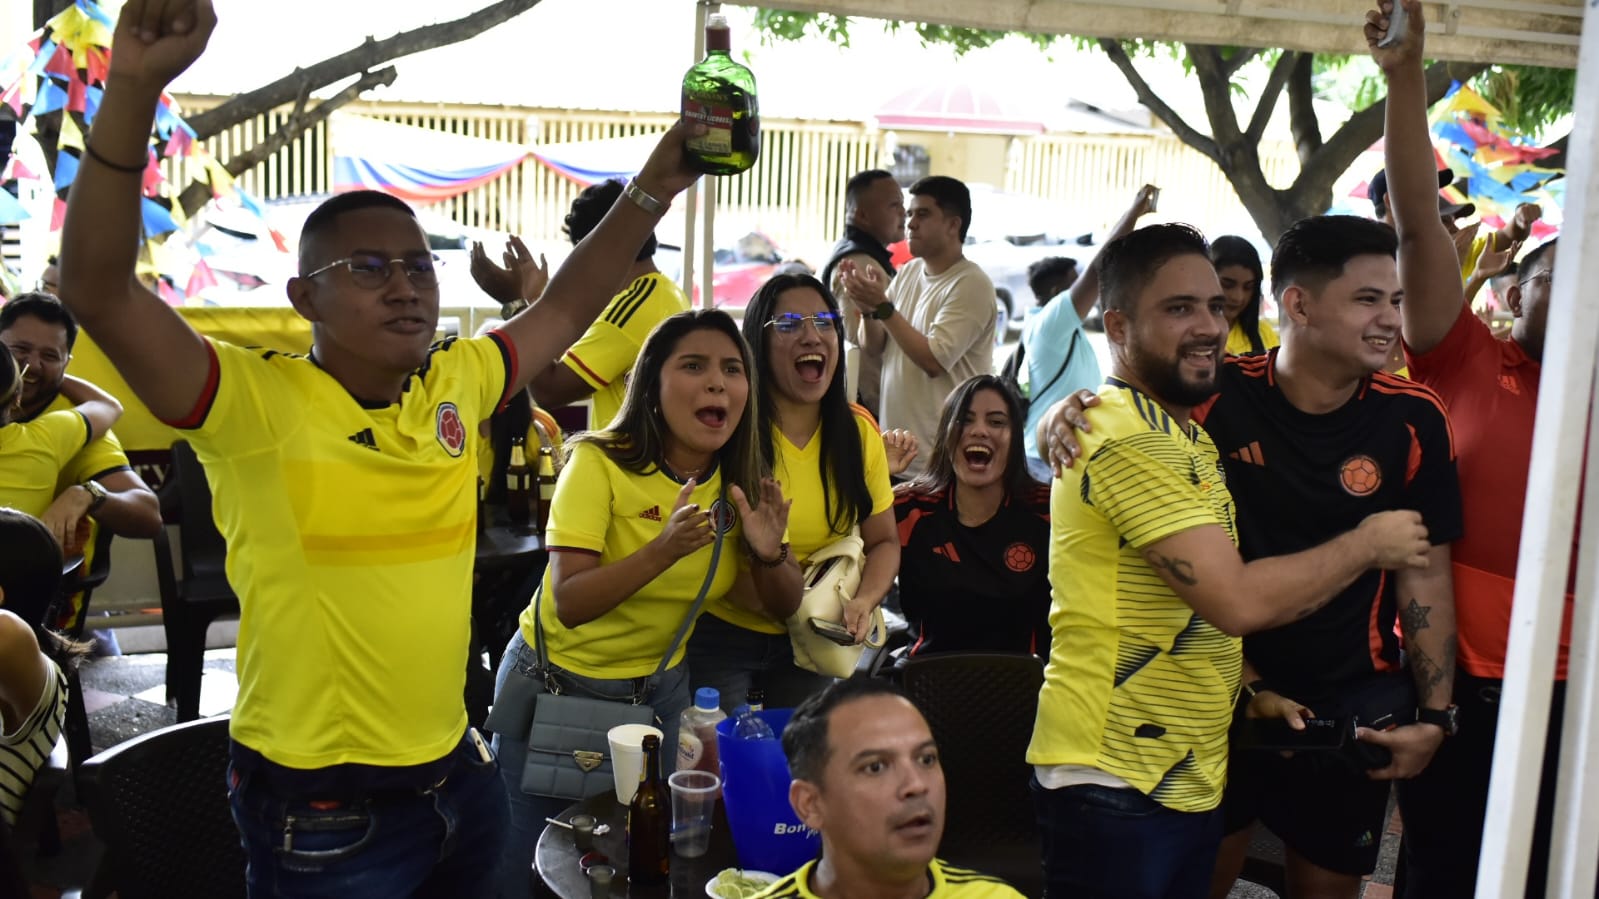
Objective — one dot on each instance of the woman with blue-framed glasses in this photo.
(829, 457)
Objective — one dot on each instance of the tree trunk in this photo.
(1321, 162)
(45, 10)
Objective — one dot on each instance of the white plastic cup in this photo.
(627, 757)
(693, 799)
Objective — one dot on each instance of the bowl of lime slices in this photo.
(738, 883)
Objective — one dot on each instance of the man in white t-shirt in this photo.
(934, 324)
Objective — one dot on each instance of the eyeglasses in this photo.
(371, 271)
(791, 322)
(23, 351)
(1544, 276)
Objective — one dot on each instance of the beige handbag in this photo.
(832, 575)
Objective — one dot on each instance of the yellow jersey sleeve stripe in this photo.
(622, 308)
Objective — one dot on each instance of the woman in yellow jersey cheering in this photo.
(32, 453)
(830, 459)
(1242, 282)
(635, 514)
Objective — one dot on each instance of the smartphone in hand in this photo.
(832, 630)
(1398, 24)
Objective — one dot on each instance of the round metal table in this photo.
(560, 864)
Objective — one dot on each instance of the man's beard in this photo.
(1164, 379)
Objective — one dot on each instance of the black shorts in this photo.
(1319, 804)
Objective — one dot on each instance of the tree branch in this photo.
(1184, 131)
(1240, 58)
(1268, 97)
(1363, 129)
(1302, 120)
(197, 194)
(1557, 161)
(1216, 89)
(367, 56)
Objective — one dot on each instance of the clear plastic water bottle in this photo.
(749, 725)
(696, 741)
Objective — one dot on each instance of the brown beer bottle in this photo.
(546, 485)
(649, 821)
(720, 94)
(518, 484)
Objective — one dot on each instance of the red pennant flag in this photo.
(61, 63)
(58, 214)
(200, 279)
(179, 143)
(77, 99)
(97, 65)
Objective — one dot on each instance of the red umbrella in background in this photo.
(958, 106)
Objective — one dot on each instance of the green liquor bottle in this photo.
(720, 93)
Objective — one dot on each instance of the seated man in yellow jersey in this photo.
(98, 483)
(598, 364)
(867, 777)
(1150, 594)
(353, 770)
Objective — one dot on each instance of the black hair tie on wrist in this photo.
(115, 166)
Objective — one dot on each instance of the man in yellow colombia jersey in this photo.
(344, 483)
(1150, 594)
(598, 363)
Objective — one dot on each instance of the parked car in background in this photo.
(739, 270)
(1010, 232)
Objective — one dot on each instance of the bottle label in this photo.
(689, 750)
(718, 140)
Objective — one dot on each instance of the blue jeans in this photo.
(1105, 843)
(733, 659)
(441, 842)
(528, 812)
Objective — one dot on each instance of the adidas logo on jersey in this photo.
(1250, 454)
(364, 437)
(653, 513)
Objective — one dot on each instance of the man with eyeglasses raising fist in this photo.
(344, 483)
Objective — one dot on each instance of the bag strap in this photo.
(1076, 334)
(682, 630)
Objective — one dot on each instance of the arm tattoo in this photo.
(1429, 673)
(1181, 571)
(1414, 617)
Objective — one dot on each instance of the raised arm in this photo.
(1085, 292)
(1203, 567)
(1429, 270)
(599, 264)
(100, 408)
(155, 351)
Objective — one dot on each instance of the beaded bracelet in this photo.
(782, 555)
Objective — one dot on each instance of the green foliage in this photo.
(789, 26)
(1530, 97)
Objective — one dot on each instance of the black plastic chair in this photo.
(980, 707)
(160, 804)
(189, 604)
(76, 726)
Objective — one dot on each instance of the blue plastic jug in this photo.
(766, 832)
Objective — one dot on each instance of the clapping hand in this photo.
(688, 527)
(519, 279)
(765, 525)
(863, 284)
(901, 446)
